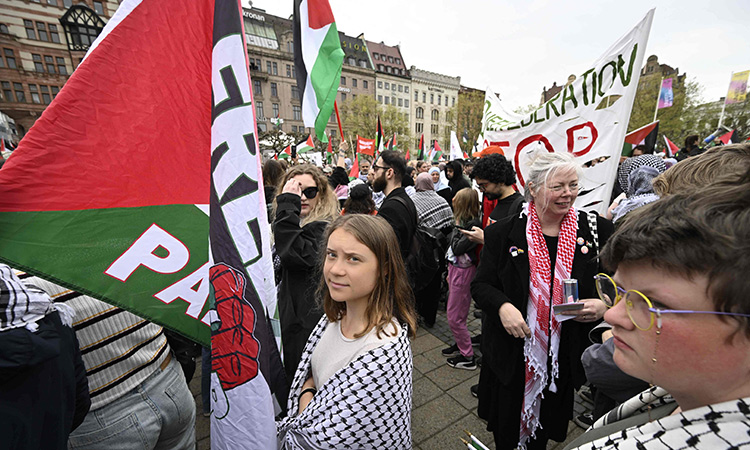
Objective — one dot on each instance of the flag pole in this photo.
(338, 119)
(658, 94)
(724, 105)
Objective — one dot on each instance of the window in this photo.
(257, 88)
(45, 95)
(400, 88)
(398, 61)
(288, 71)
(55, 91)
(380, 99)
(29, 25)
(343, 96)
(294, 128)
(268, 67)
(406, 103)
(294, 72)
(380, 85)
(275, 69)
(10, 58)
(295, 92)
(416, 96)
(262, 126)
(67, 3)
(38, 66)
(275, 107)
(376, 56)
(419, 128)
(440, 97)
(424, 97)
(388, 69)
(390, 59)
(53, 33)
(420, 113)
(259, 111)
(81, 26)
(343, 81)
(393, 87)
(393, 101)
(290, 47)
(448, 117)
(406, 89)
(34, 94)
(49, 63)
(52, 2)
(387, 100)
(41, 28)
(435, 115)
(364, 84)
(454, 101)
(400, 102)
(99, 8)
(362, 63)
(296, 112)
(354, 82)
(274, 90)
(254, 64)
(432, 99)
(434, 128)
(7, 92)
(61, 69)
(387, 85)
(351, 61)
(4, 29)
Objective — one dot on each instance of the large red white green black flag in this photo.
(113, 191)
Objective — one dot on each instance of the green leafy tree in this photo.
(468, 113)
(359, 116)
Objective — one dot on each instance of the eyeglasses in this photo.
(376, 167)
(310, 192)
(558, 188)
(640, 309)
(483, 185)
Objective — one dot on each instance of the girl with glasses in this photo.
(680, 318)
(303, 209)
(532, 359)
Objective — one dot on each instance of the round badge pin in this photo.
(584, 250)
(580, 241)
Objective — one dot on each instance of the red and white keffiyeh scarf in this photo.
(544, 341)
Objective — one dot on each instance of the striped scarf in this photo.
(545, 329)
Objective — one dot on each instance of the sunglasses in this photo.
(310, 192)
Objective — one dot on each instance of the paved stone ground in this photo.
(443, 405)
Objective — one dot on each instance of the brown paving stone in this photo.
(446, 377)
(425, 343)
(430, 418)
(462, 394)
(449, 438)
(423, 391)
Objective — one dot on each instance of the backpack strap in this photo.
(515, 208)
(594, 231)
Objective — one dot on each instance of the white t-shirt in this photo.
(335, 351)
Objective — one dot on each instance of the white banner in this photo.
(587, 118)
(456, 152)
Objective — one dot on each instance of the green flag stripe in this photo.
(325, 77)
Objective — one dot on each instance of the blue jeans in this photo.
(157, 414)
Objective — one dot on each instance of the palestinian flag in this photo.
(646, 135)
(438, 152)
(126, 217)
(392, 144)
(729, 138)
(420, 155)
(305, 146)
(285, 154)
(408, 156)
(318, 59)
(379, 138)
(672, 148)
(354, 173)
(329, 152)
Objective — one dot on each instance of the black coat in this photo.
(402, 215)
(298, 249)
(502, 277)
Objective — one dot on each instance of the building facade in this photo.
(433, 108)
(41, 43)
(392, 79)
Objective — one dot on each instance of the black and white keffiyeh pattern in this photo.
(24, 305)
(432, 209)
(720, 426)
(365, 405)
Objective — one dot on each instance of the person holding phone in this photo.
(303, 210)
(532, 361)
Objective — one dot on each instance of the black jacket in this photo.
(502, 277)
(402, 216)
(298, 248)
(44, 393)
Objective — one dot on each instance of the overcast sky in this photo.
(518, 47)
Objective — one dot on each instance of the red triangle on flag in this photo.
(354, 173)
(637, 136)
(110, 141)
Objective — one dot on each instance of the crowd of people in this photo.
(658, 322)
